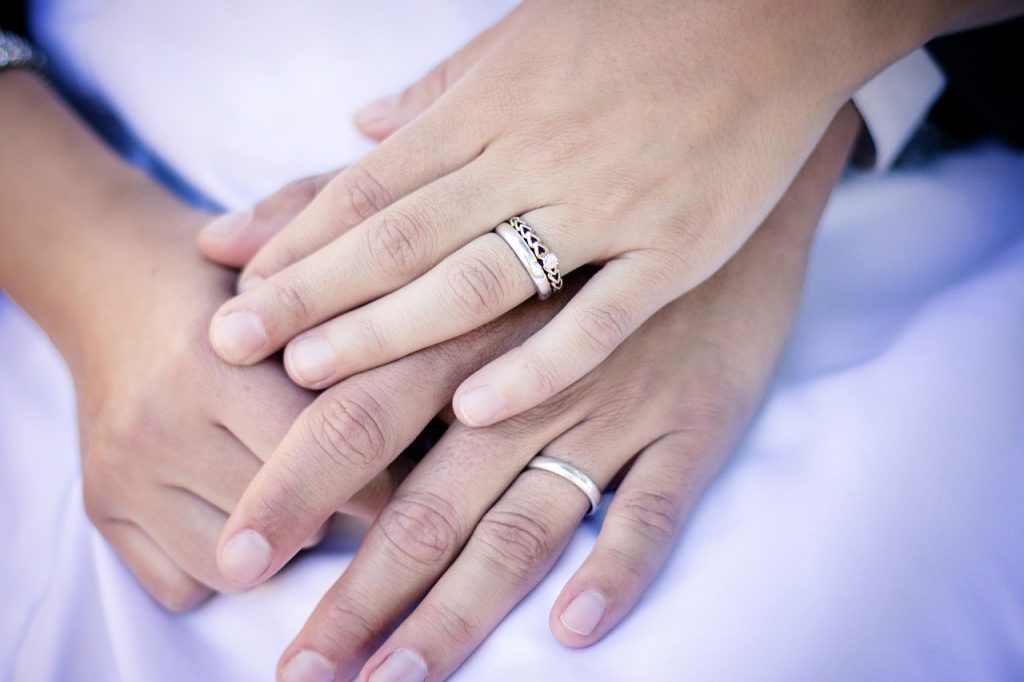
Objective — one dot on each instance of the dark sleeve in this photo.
(13, 16)
(985, 82)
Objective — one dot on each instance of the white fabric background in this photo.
(869, 528)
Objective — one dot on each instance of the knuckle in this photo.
(346, 629)
(396, 241)
(276, 255)
(303, 190)
(94, 496)
(603, 326)
(443, 78)
(417, 529)
(283, 499)
(371, 339)
(475, 287)
(515, 544)
(707, 415)
(346, 430)
(695, 232)
(541, 375)
(363, 194)
(558, 144)
(288, 300)
(178, 593)
(452, 625)
(121, 450)
(652, 515)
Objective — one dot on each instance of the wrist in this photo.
(137, 251)
(78, 222)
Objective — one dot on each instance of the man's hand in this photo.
(468, 532)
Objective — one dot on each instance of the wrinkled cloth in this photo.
(868, 528)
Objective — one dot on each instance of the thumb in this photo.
(383, 117)
(234, 238)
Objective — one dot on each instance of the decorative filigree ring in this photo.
(547, 259)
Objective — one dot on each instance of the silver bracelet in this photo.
(16, 52)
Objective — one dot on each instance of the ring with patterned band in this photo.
(572, 474)
(547, 259)
(526, 257)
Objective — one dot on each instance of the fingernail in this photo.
(245, 557)
(227, 225)
(584, 612)
(401, 666)
(482, 405)
(311, 359)
(375, 111)
(238, 336)
(249, 283)
(308, 666)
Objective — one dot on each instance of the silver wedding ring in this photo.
(525, 256)
(572, 474)
(540, 263)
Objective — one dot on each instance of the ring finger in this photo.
(511, 550)
(411, 543)
(415, 539)
(385, 252)
(473, 286)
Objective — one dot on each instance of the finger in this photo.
(512, 548)
(222, 475)
(439, 143)
(641, 527)
(383, 117)
(380, 255)
(158, 573)
(336, 447)
(473, 286)
(186, 528)
(234, 238)
(273, 404)
(412, 542)
(617, 300)
(347, 436)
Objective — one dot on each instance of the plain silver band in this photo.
(526, 257)
(571, 474)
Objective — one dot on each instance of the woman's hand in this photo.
(170, 435)
(650, 138)
(470, 533)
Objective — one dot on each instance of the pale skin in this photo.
(119, 249)
(171, 439)
(170, 435)
(469, 533)
(649, 138)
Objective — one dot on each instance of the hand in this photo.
(650, 138)
(473, 533)
(170, 435)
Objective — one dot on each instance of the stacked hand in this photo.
(172, 436)
(647, 140)
(636, 136)
(468, 532)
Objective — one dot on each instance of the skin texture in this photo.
(171, 435)
(470, 534)
(649, 138)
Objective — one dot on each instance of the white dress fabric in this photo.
(867, 529)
